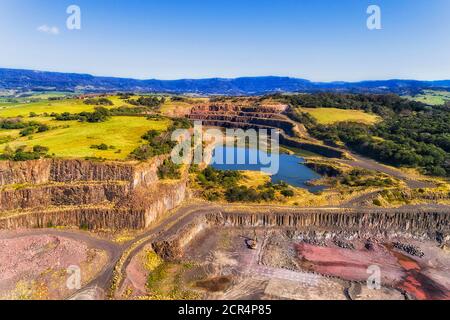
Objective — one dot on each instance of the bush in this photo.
(169, 170)
(98, 102)
(99, 115)
(28, 131)
(20, 154)
(40, 149)
(288, 193)
(100, 146)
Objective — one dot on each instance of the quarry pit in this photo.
(59, 213)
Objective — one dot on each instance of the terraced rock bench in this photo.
(110, 195)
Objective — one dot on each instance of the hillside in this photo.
(25, 80)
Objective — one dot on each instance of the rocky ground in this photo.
(36, 266)
(417, 269)
(291, 265)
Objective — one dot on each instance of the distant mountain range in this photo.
(26, 80)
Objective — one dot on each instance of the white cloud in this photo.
(49, 30)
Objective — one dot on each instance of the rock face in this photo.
(61, 195)
(33, 172)
(414, 222)
(54, 170)
(83, 217)
(312, 226)
(112, 195)
(170, 247)
(167, 198)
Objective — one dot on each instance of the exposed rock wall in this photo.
(167, 198)
(376, 221)
(90, 218)
(33, 172)
(67, 171)
(111, 195)
(170, 247)
(146, 174)
(79, 170)
(127, 214)
(57, 195)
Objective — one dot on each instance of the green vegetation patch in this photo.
(74, 139)
(228, 185)
(333, 115)
(411, 134)
(432, 97)
(165, 282)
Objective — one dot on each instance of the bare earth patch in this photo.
(35, 267)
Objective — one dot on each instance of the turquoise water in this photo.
(291, 170)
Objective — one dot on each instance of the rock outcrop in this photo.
(171, 246)
(66, 171)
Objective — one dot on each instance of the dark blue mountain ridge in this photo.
(25, 80)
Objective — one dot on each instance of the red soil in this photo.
(397, 269)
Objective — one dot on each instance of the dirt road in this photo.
(370, 164)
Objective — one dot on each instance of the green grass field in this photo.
(431, 97)
(11, 110)
(332, 115)
(74, 139)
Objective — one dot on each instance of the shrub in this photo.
(27, 131)
(98, 102)
(288, 193)
(169, 170)
(40, 149)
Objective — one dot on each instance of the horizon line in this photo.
(222, 78)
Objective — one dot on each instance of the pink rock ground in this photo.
(38, 258)
(350, 264)
(397, 269)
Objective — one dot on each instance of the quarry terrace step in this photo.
(137, 210)
(66, 171)
(88, 216)
(241, 114)
(54, 194)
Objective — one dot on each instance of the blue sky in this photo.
(320, 40)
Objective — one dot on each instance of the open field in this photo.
(10, 110)
(431, 97)
(74, 139)
(332, 115)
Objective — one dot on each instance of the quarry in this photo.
(126, 231)
(203, 250)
